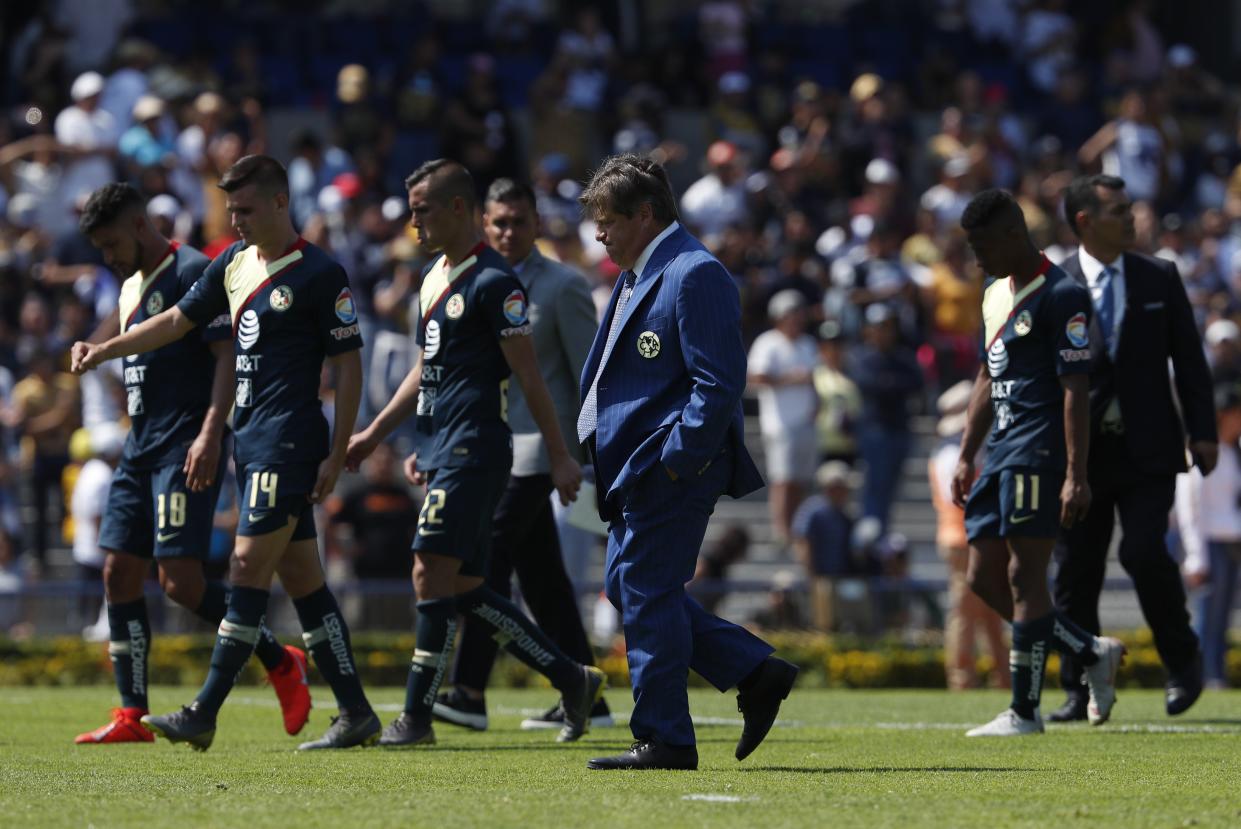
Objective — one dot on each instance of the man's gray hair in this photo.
(623, 183)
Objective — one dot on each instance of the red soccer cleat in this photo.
(289, 682)
(124, 728)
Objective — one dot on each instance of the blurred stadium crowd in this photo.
(824, 151)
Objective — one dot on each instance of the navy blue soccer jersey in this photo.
(1030, 339)
(169, 389)
(286, 315)
(464, 313)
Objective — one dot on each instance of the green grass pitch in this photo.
(836, 758)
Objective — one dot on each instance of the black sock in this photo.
(327, 638)
(211, 610)
(1027, 660)
(1070, 638)
(238, 632)
(518, 635)
(129, 643)
(434, 631)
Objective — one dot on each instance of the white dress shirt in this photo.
(640, 264)
(1092, 269)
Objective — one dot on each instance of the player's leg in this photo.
(126, 525)
(548, 592)
(987, 570)
(327, 638)
(580, 685)
(183, 520)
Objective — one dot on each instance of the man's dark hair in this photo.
(1081, 195)
(448, 180)
(624, 183)
(263, 171)
(989, 207)
(107, 204)
(507, 190)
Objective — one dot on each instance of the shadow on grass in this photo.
(888, 769)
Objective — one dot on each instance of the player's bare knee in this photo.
(182, 581)
(122, 577)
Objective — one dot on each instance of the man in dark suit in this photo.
(1138, 439)
(661, 417)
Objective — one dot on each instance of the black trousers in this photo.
(524, 541)
(1143, 502)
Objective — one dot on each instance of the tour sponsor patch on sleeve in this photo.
(345, 332)
(1077, 331)
(515, 308)
(345, 312)
(1075, 355)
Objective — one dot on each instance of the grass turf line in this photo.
(837, 758)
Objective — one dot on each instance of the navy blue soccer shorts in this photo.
(151, 512)
(269, 495)
(456, 514)
(1019, 501)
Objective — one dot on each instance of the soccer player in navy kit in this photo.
(474, 331)
(1031, 403)
(289, 307)
(163, 494)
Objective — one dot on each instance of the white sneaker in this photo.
(1009, 724)
(1101, 677)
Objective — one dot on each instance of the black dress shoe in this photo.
(760, 702)
(1184, 688)
(1074, 709)
(649, 754)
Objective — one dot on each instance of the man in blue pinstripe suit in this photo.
(661, 416)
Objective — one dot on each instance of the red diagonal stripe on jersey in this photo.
(298, 245)
(142, 300)
(1043, 267)
(477, 249)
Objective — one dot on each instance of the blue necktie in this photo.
(1107, 306)
(589, 417)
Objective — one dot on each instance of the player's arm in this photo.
(401, 406)
(566, 473)
(978, 418)
(348, 370)
(164, 328)
(1075, 497)
(203, 458)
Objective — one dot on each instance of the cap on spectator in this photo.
(1222, 331)
(834, 473)
(865, 87)
(830, 331)
(147, 107)
(351, 83)
(882, 171)
(393, 208)
(784, 303)
(952, 405)
(209, 103)
(782, 581)
(164, 206)
(348, 184)
(107, 439)
(957, 166)
(891, 546)
(721, 153)
(807, 92)
(1182, 56)
(87, 85)
(734, 83)
(878, 313)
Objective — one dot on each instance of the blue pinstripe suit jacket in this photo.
(677, 399)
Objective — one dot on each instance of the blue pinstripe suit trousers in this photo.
(652, 550)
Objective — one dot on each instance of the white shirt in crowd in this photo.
(1207, 509)
(784, 407)
(1136, 157)
(90, 496)
(711, 207)
(86, 131)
